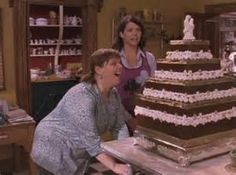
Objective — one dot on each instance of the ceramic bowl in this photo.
(34, 71)
(41, 21)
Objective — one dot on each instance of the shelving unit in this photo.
(218, 25)
(55, 31)
(55, 41)
(223, 35)
(33, 41)
(227, 29)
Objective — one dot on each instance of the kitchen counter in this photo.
(151, 163)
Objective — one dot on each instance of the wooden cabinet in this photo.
(54, 41)
(222, 34)
(20, 134)
(218, 24)
(227, 34)
(46, 95)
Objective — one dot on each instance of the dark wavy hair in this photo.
(119, 44)
(98, 58)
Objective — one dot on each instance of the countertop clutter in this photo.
(38, 75)
(17, 116)
(12, 114)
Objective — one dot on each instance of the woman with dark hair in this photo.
(69, 136)
(137, 63)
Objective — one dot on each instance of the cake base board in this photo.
(189, 151)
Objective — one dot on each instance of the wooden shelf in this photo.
(72, 44)
(55, 55)
(56, 26)
(65, 44)
(72, 26)
(44, 25)
(42, 55)
(43, 44)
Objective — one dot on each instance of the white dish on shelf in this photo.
(77, 40)
(41, 21)
(34, 71)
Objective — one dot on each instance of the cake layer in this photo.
(189, 75)
(183, 45)
(187, 132)
(193, 65)
(193, 86)
(188, 55)
(189, 98)
(179, 109)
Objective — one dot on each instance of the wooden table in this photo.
(19, 134)
(151, 163)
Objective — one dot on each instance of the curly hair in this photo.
(119, 44)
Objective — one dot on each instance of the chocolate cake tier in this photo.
(191, 87)
(194, 65)
(187, 132)
(190, 45)
(195, 119)
(188, 109)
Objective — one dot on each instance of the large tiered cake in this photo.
(187, 111)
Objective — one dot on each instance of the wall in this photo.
(172, 15)
(8, 53)
(173, 12)
(199, 4)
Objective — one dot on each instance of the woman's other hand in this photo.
(121, 169)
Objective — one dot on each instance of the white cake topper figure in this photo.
(188, 28)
